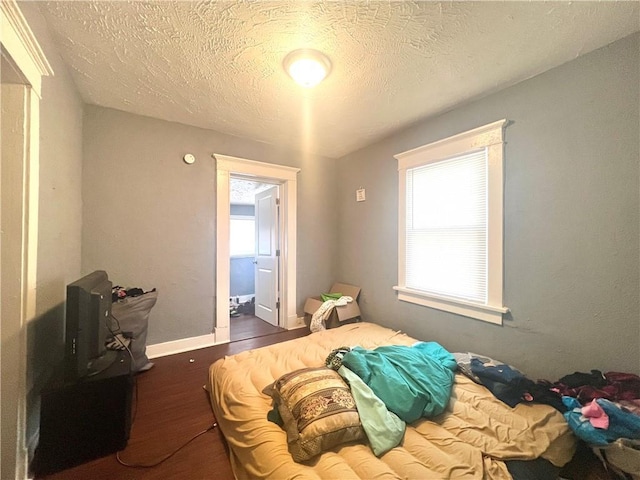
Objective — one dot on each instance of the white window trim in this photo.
(488, 136)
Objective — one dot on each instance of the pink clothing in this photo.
(596, 415)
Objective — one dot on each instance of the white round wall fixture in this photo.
(189, 159)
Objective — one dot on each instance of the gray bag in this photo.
(132, 313)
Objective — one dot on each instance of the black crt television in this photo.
(88, 325)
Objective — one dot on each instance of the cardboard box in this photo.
(348, 313)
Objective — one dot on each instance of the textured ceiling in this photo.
(243, 192)
(218, 65)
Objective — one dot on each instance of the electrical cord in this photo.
(166, 457)
(126, 347)
(169, 455)
(115, 333)
(115, 337)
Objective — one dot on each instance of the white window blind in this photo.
(446, 229)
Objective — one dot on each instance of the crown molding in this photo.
(20, 43)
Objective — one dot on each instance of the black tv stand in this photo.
(85, 419)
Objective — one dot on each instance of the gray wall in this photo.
(60, 203)
(59, 216)
(247, 210)
(149, 219)
(242, 273)
(572, 210)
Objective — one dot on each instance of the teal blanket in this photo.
(412, 382)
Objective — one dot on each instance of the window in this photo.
(450, 224)
(242, 236)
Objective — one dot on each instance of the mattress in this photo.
(472, 438)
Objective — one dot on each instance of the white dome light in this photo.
(307, 67)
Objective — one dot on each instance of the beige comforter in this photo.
(469, 440)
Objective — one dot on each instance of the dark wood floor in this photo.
(172, 407)
(249, 326)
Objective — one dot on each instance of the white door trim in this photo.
(287, 178)
(20, 44)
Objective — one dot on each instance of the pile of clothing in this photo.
(394, 385)
(602, 409)
(236, 308)
(329, 302)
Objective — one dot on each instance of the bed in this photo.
(475, 437)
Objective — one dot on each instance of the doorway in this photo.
(21, 70)
(254, 244)
(228, 168)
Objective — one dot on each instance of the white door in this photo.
(267, 253)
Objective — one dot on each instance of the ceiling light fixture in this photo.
(307, 67)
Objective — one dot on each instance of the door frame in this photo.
(286, 177)
(29, 63)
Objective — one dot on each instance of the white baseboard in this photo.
(32, 443)
(182, 345)
(297, 323)
(295, 327)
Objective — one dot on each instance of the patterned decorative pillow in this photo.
(318, 411)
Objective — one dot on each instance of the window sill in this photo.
(486, 313)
